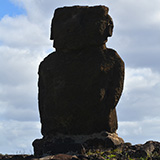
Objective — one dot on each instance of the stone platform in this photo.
(79, 84)
(77, 144)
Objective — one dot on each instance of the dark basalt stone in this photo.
(78, 27)
(52, 147)
(81, 82)
(77, 144)
(77, 93)
(150, 151)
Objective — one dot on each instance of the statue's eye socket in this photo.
(110, 23)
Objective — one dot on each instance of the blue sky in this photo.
(7, 7)
(24, 42)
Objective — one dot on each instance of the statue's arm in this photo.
(117, 81)
(41, 93)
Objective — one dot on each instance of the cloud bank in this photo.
(24, 42)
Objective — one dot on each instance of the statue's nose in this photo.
(110, 31)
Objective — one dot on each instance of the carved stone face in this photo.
(110, 26)
(78, 27)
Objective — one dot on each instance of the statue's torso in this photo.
(76, 90)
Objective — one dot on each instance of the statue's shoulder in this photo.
(50, 57)
(114, 55)
(48, 61)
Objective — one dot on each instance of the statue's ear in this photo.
(110, 31)
(110, 26)
(51, 35)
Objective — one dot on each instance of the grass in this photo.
(117, 154)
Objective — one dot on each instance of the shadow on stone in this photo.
(79, 84)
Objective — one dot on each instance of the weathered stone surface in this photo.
(78, 144)
(79, 90)
(55, 145)
(79, 27)
(150, 151)
(58, 157)
(80, 84)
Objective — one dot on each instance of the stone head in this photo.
(80, 26)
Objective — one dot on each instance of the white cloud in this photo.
(140, 131)
(136, 15)
(139, 107)
(140, 98)
(17, 136)
(24, 42)
(23, 45)
(19, 32)
(136, 32)
(18, 83)
(141, 79)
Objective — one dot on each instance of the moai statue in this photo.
(80, 83)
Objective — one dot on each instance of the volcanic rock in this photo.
(80, 84)
(75, 28)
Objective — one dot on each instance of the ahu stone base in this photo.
(75, 143)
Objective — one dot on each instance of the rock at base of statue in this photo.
(78, 144)
(79, 84)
